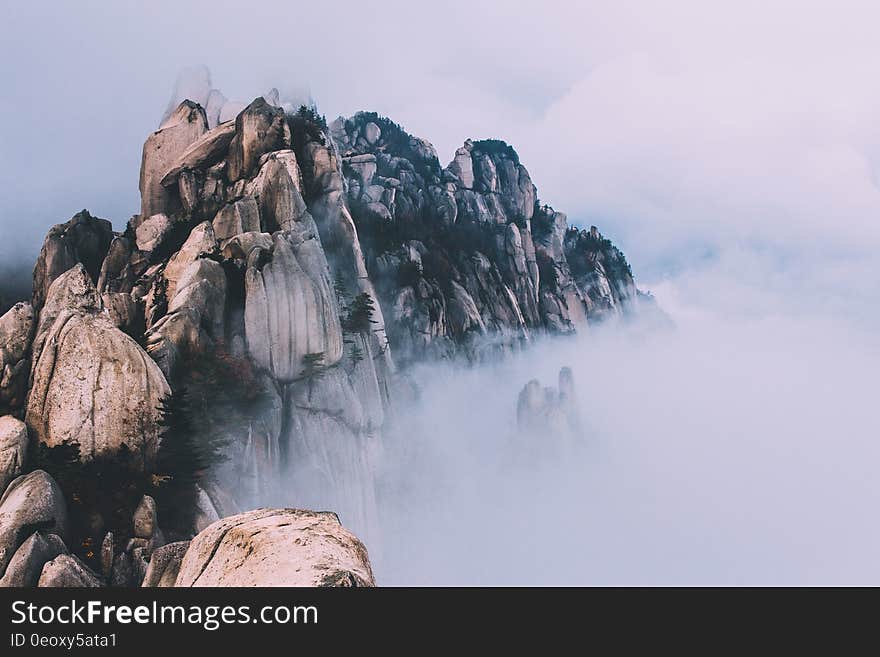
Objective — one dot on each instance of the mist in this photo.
(730, 149)
(737, 448)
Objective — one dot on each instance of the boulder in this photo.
(13, 448)
(240, 246)
(161, 151)
(122, 266)
(276, 547)
(290, 308)
(32, 502)
(150, 233)
(108, 553)
(203, 153)
(241, 216)
(84, 239)
(92, 385)
(145, 521)
(164, 565)
(67, 571)
(278, 189)
(16, 333)
(27, 563)
(201, 242)
(194, 318)
(260, 128)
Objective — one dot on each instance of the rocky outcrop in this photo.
(32, 502)
(13, 449)
(164, 565)
(92, 385)
(67, 571)
(82, 240)
(548, 418)
(260, 128)
(276, 547)
(27, 563)
(194, 286)
(161, 151)
(465, 259)
(16, 332)
(290, 309)
(275, 256)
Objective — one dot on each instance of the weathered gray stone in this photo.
(150, 233)
(161, 151)
(241, 216)
(145, 521)
(84, 239)
(276, 547)
(259, 128)
(203, 153)
(67, 571)
(290, 308)
(27, 563)
(165, 564)
(32, 502)
(92, 385)
(13, 449)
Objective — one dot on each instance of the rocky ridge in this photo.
(299, 266)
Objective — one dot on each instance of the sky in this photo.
(680, 128)
(731, 149)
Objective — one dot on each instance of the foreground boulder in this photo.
(165, 564)
(27, 563)
(92, 385)
(67, 571)
(31, 502)
(276, 547)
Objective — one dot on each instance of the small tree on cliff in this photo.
(180, 464)
(359, 316)
(313, 365)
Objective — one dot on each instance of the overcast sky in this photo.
(681, 127)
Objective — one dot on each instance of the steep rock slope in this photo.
(466, 255)
(279, 272)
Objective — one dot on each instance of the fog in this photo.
(738, 448)
(731, 149)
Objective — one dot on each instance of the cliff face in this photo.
(466, 257)
(280, 272)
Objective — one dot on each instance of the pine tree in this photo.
(340, 288)
(313, 365)
(180, 464)
(357, 353)
(359, 318)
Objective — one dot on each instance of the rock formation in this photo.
(466, 258)
(13, 449)
(31, 502)
(276, 547)
(16, 333)
(278, 275)
(91, 384)
(548, 418)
